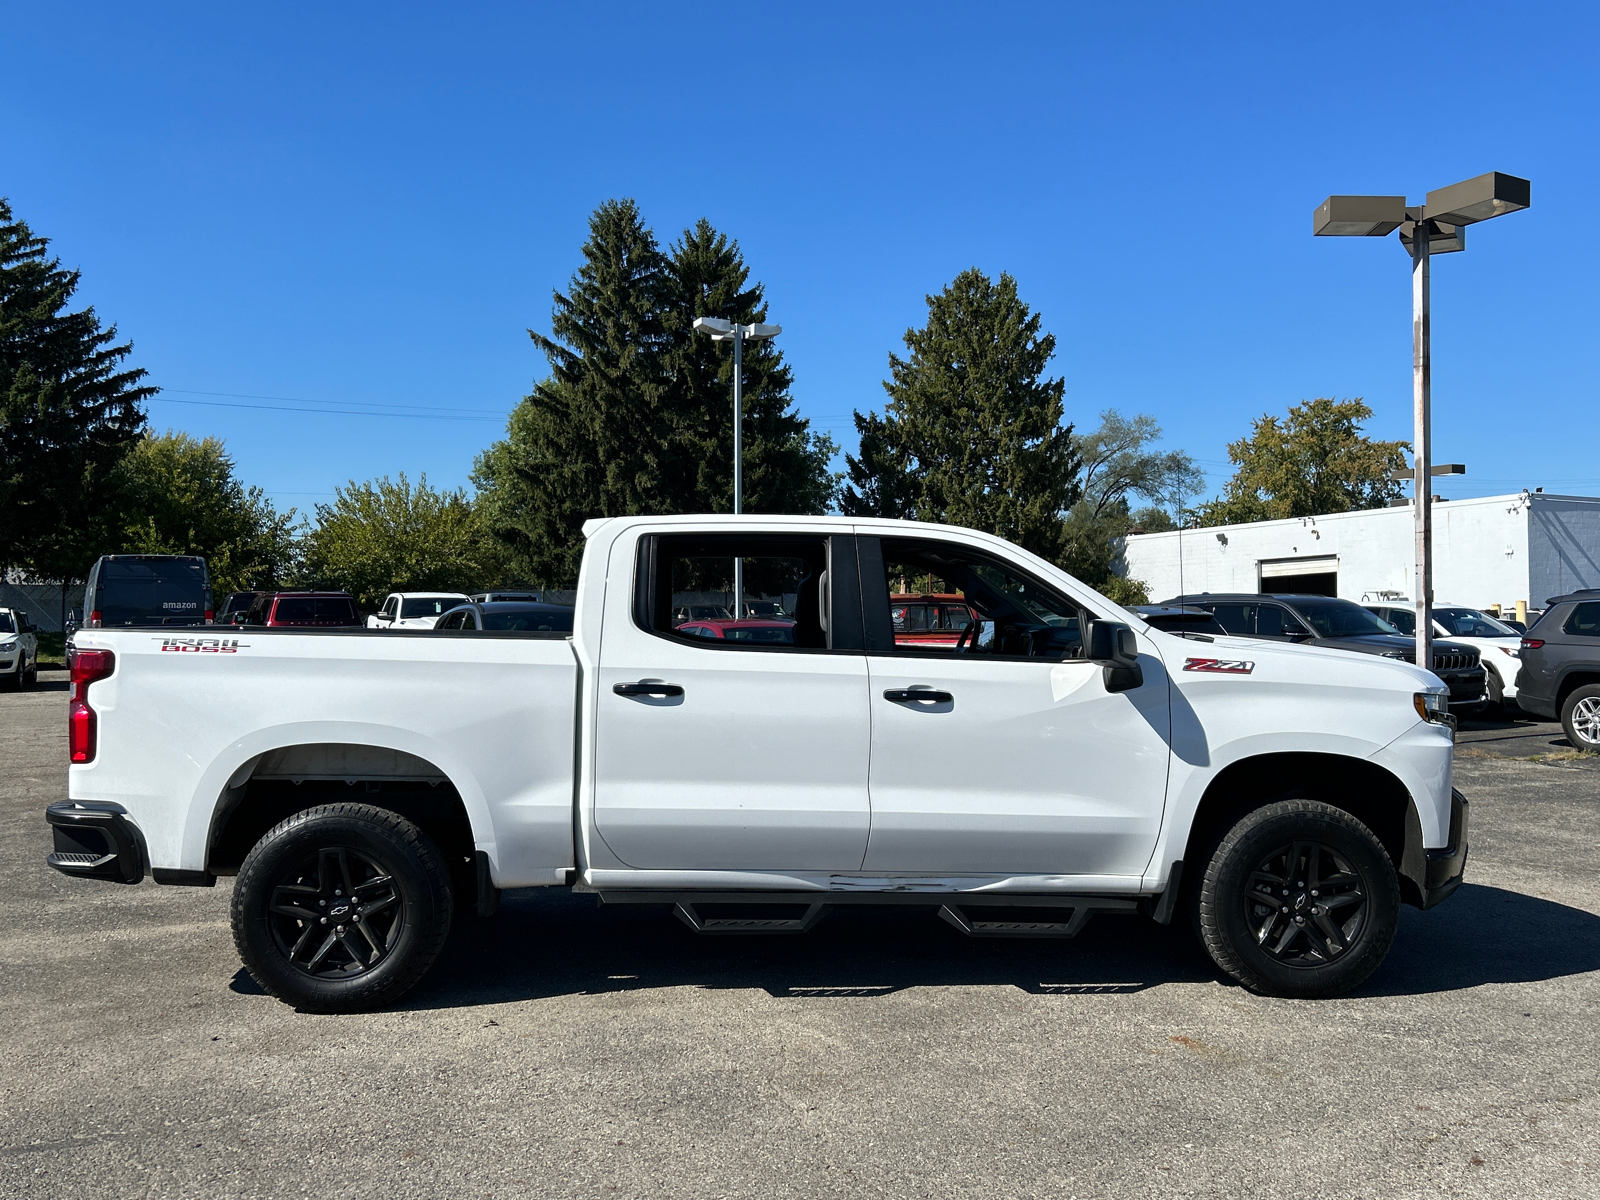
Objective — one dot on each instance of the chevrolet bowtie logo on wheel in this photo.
(1220, 666)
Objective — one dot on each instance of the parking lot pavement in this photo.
(562, 1050)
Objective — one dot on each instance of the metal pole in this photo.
(1422, 405)
(738, 459)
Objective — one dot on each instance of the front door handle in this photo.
(918, 696)
(647, 689)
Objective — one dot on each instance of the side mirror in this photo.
(1114, 646)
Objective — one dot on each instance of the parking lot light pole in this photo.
(730, 331)
(1438, 226)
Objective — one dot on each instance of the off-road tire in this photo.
(1232, 916)
(389, 847)
(1578, 719)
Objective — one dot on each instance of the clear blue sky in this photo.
(364, 207)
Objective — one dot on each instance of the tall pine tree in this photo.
(69, 413)
(593, 439)
(973, 433)
(636, 416)
(785, 465)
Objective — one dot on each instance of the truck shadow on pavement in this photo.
(559, 944)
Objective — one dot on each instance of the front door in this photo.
(735, 744)
(1006, 754)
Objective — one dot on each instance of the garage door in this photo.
(1307, 576)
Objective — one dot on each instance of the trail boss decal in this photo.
(1219, 666)
(203, 645)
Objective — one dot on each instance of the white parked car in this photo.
(1060, 759)
(19, 650)
(1499, 646)
(414, 610)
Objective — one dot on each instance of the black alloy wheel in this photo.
(338, 915)
(341, 908)
(1305, 903)
(1299, 899)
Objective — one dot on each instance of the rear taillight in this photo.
(94, 619)
(82, 725)
(1532, 643)
(211, 617)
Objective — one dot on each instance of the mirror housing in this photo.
(1113, 644)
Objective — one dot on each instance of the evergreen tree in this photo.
(68, 413)
(973, 432)
(785, 465)
(594, 438)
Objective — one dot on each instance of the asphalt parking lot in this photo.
(561, 1050)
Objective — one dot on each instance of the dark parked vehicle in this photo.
(235, 607)
(1179, 619)
(1342, 625)
(509, 615)
(1560, 674)
(304, 610)
(147, 589)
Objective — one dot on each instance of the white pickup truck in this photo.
(1061, 758)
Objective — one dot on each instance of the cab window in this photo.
(689, 583)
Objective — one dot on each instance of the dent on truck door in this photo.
(743, 744)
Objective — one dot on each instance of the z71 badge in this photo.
(203, 645)
(1219, 666)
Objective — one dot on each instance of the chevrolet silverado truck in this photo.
(1061, 759)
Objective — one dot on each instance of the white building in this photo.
(1494, 550)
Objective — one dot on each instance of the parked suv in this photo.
(1496, 642)
(304, 610)
(147, 589)
(1342, 625)
(19, 650)
(1560, 674)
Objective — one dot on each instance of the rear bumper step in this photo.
(95, 840)
(977, 914)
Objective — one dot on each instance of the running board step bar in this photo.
(976, 914)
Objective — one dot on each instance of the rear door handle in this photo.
(918, 696)
(647, 689)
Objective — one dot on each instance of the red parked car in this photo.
(929, 619)
(749, 630)
(304, 610)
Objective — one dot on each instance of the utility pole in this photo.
(1422, 453)
(728, 331)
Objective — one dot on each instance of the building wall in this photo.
(1563, 545)
(1481, 550)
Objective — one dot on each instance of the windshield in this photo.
(6, 625)
(320, 610)
(152, 591)
(1469, 622)
(427, 606)
(537, 619)
(1341, 618)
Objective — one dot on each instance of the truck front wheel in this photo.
(1299, 900)
(341, 908)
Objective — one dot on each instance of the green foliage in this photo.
(636, 416)
(973, 432)
(383, 536)
(179, 496)
(68, 413)
(1315, 462)
(1153, 520)
(1119, 589)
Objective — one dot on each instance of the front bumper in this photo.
(1445, 868)
(95, 840)
(1468, 689)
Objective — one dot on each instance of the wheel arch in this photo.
(286, 770)
(1574, 679)
(1366, 790)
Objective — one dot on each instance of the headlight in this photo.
(1435, 707)
(1398, 654)
(1513, 651)
(11, 645)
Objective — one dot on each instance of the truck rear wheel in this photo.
(341, 908)
(1299, 900)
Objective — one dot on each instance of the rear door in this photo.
(721, 754)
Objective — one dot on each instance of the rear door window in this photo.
(696, 575)
(1585, 620)
(1237, 619)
